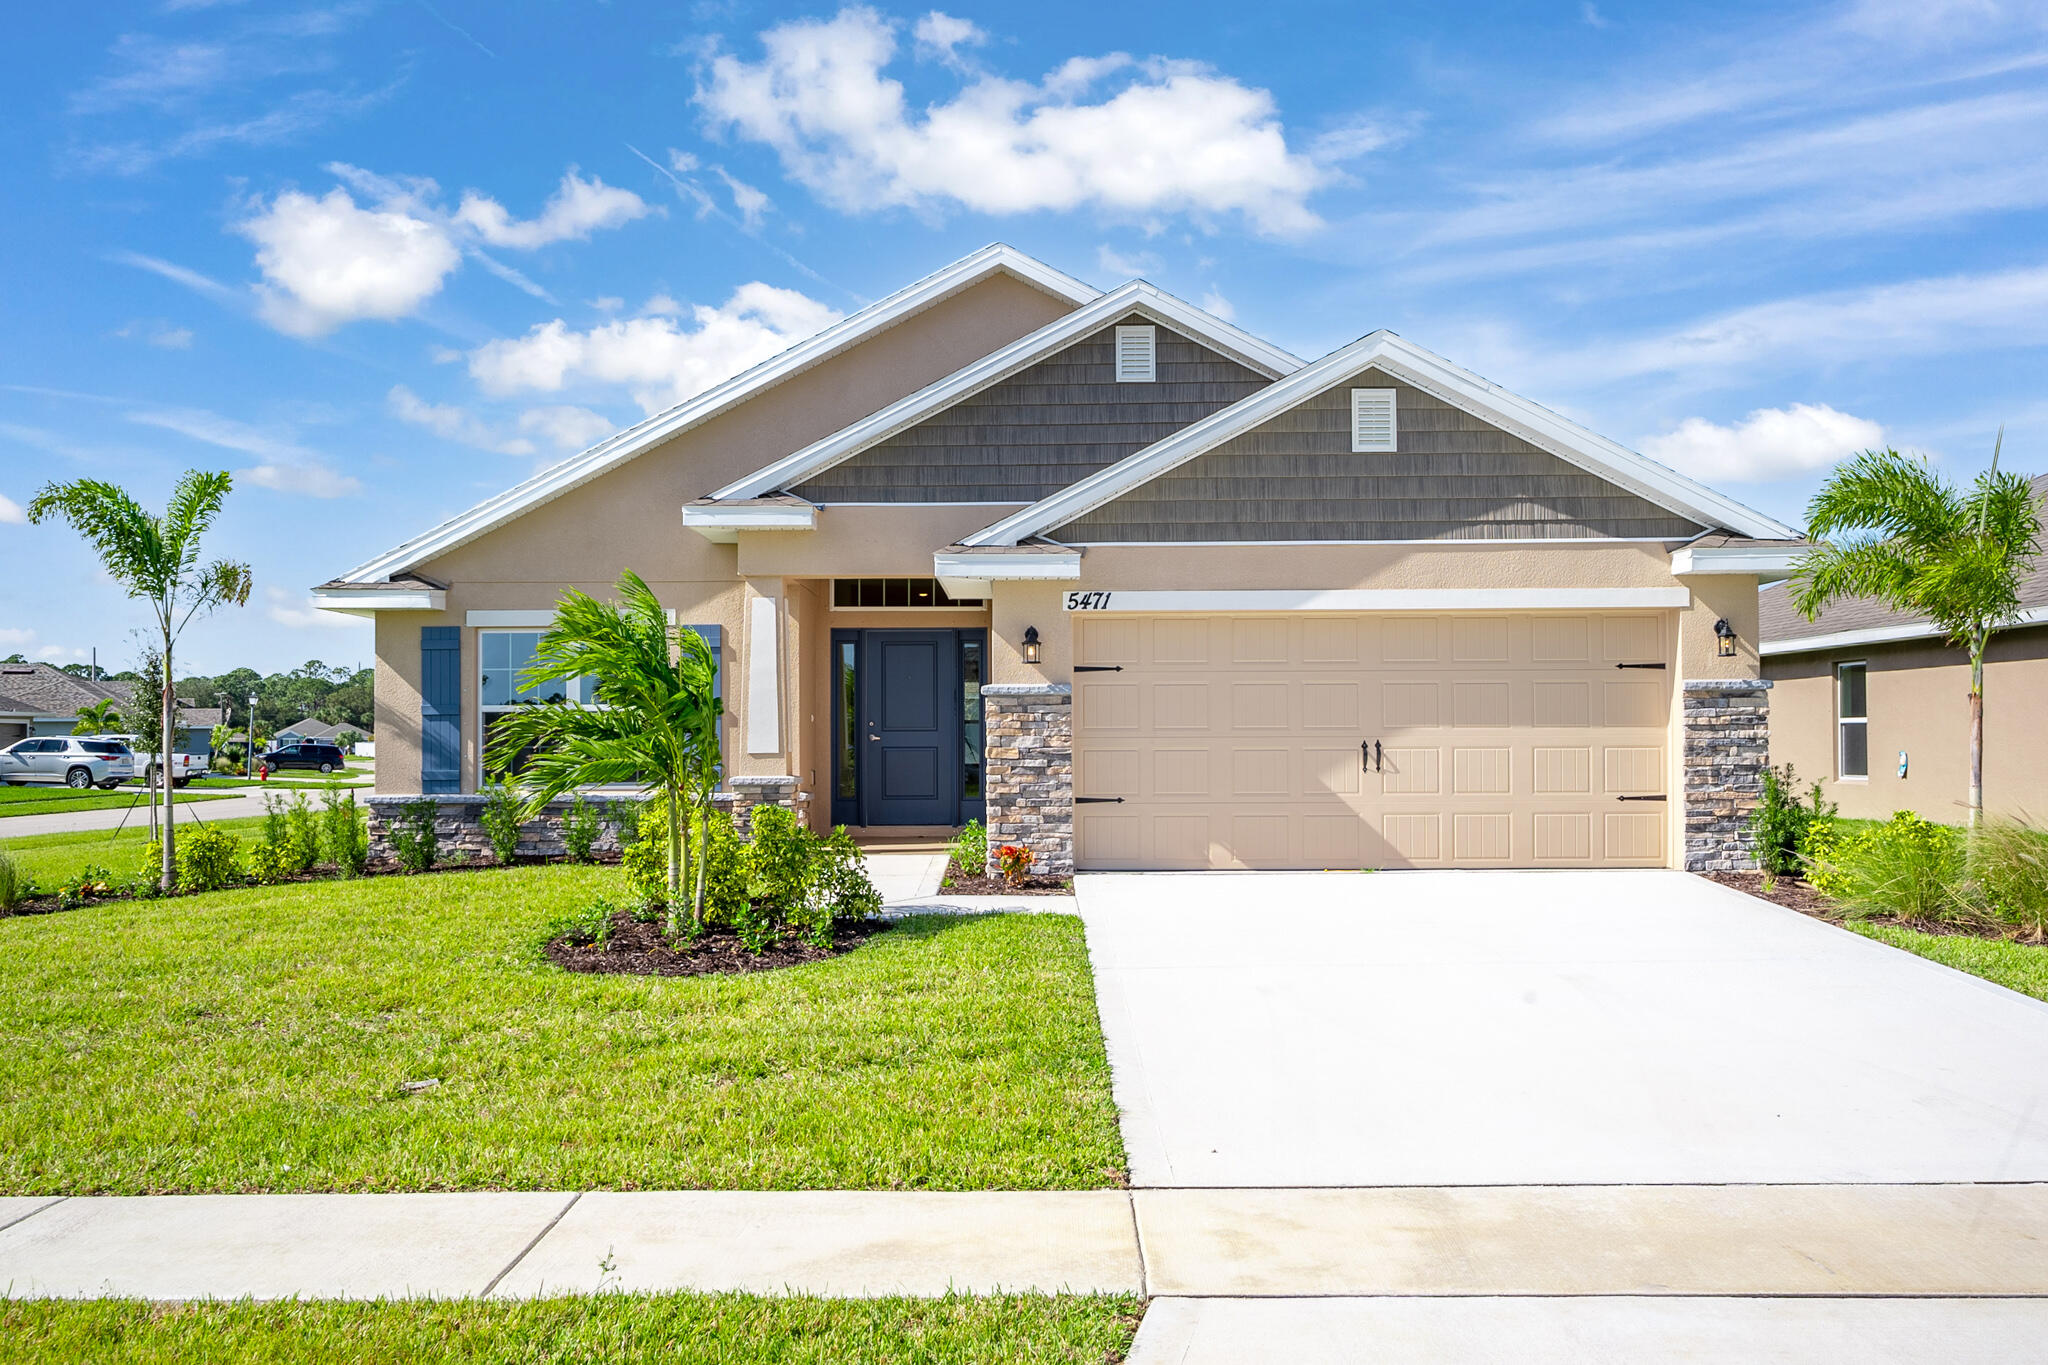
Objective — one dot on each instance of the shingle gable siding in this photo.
(1033, 434)
(1453, 477)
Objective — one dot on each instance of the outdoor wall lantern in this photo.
(1724, 635)
(1031, 644)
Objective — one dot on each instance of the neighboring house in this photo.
(1864, 692)
(39, 699)
(1138, 588)
(317, 729)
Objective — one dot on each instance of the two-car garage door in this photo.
(1342, 741)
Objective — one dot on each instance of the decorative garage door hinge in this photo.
(1098, 668)
(1659, 797)
(1098, 800)
(1639, 665)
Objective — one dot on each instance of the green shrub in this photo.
(646, 864)
(590, 925)
(209, 858)
(269, 864)
(779, 862)
(1904, 869)
(726, 864)
(276, 828)
(344, 833)
(970, 850)
(841, 884)
(1779, 824)
(13, 884)
(301, 845)
(501, 822)
(580, 825)
(413, 838)
(149, 868)
(2008, 874)
(725, 871)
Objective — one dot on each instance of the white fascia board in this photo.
(370, 601)
(530, 620)
(1008, 568)
(1383, 599)
(1431, 373)
(995, 367)
(622, 446)
(967, 589)
(722, 525)
(1881, 635)
(1735, 559)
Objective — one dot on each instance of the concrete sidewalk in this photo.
(249, 801)
(1727, 1241)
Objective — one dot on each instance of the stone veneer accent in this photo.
(459, 823)
(1028, 772)
(749, 792)
(1727, 745)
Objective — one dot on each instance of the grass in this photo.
(55, 800)
(677, 1329)
(257, 1040)
(51, 858)
(309, 781)
(2022, 967)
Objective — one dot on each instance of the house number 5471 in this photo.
(1087, 601)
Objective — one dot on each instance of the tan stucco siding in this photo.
(397, 696)
(1918, 701)
(865, 542)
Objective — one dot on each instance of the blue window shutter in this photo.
(712, 637)
(440, 709)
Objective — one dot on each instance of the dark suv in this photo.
(304, 754)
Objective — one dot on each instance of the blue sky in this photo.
(384, 258)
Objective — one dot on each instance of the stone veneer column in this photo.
(749, 792)
(1727, 745)
(1028, 772)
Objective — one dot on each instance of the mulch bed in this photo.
(960, 883)
(638, 948)
(1795, 894)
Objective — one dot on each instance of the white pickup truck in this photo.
(182, 768)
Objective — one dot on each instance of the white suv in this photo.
(79, 763)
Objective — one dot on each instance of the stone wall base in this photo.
(459, 820)
(1726, 748)
(1028, 772)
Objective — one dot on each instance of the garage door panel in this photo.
(1181, 772)
(1178, 706)
(1479, 639)
(1483, 836)
(1111, 706)
(1560, 704)
(1410, 705)
(1330, 772)
(1414, 838)
(1410, 771)
(1562, 836)
(1330, 706)
(1480, 704)
(1109, 772)
(1259, 772)
(1481, 772)
(1330, 640)
(1560, 640)
(1634, 706)
(1332, 841)
(1260, 706)
(1634, 837)
(1559, 771)
(1180, 643)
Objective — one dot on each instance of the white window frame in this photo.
(1359, 444)
(1842, 723)
(1151, 338)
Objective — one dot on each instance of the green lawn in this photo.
(312, 782)
(258, 1039)
(50, 858)
(2022, 967)
(55, 800)
(679, 1329)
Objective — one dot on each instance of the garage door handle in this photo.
(1640, 798)
(1098, 800)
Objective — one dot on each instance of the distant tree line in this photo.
(337, 695)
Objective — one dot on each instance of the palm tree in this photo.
(97, 719)
(1886, 526)
(156, 559)
(655, 724)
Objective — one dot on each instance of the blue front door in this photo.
(907, 726)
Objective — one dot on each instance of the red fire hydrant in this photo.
(262, 772)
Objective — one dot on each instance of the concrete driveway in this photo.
(1533, 1028)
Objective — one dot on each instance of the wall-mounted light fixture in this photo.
(1031, 644)
(1724, 636)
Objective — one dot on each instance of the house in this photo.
(309, 728)
(1138, 588)
(41, 699)
(1875, 705)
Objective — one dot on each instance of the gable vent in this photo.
(1372, 419)
(1136, 355)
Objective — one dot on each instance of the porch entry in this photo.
(906, 726)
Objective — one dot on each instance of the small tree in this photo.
(656, 725)
(97, 719)
(348, 739)
(156, 558)
(1888, 527)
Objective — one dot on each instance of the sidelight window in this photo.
(971, 679)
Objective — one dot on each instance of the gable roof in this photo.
(46, 690)
(1425, 370)
(622, 446)
(318, 729)
(1137, 297)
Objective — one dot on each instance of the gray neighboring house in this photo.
(317, 729)
(40, 699)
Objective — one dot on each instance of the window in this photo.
(1372, 420)
(502, 656)
(970, 715)
(1852, 721)
(1136, 355)
(846, 659)
(919, 593)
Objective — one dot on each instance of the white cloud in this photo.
(1134, 266)
(1589, 13)
(1178, 137)
(11, 512)
(940, 36)
(16, 637)
(1352, 139)
(178, 274)
(326, 262)
(309, 478)
(60, 654)
(660, 359)
(160, 334)
(288, 609)
(1768, 444)
(578, 208)
(567, 428)
(1214, 302)
(452, 423)
(225, 432)
(752, 204)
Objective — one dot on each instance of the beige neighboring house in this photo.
(1139, 589)
(1875, 706)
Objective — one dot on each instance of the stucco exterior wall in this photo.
(1918, 700)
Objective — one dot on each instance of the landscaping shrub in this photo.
(840, 885)
(2007, 865)
(1905, 868)
(268, 863)
(302, 835)
(970, 849)
(1014, 862)
(780, 860)
(592, 924)
(208, 859)
(501, 822)
(13, 885)
(580, 825)
(276, 829)
(1779, 824)
(344, 833)
(413, 837)
(89, 883)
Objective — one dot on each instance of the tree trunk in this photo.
(675, 858)
(169, 880)
(1977, 733)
